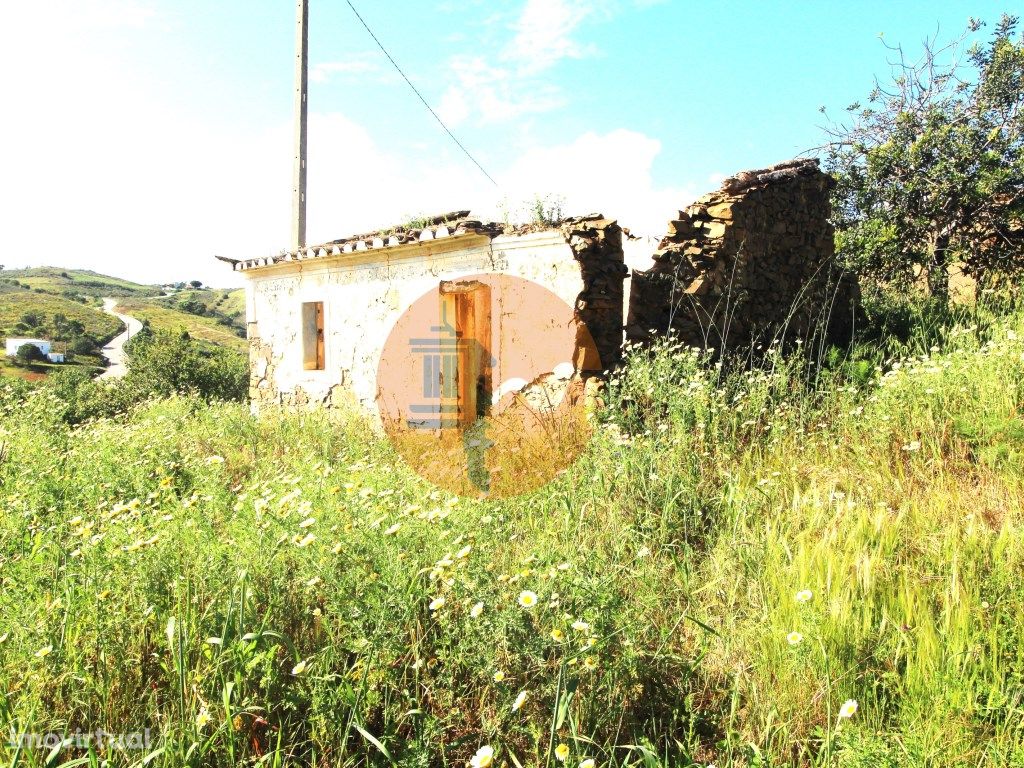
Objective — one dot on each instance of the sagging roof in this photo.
(445, 225)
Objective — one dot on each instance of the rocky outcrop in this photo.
(751, 262)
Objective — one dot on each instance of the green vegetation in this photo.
(75, 282)
(28, 354)
(64, 306)
(225, 306)
(931, 170)
(160, 364)
(53, 317)
(736, 558)
(215, 328)
(77, 330)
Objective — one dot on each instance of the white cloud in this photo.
(493, 94)
(105, 172)
(543, 36)
(98, 14)
(544, 33)
(453, 108)
(595, 173)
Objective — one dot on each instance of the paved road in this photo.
(114, 351)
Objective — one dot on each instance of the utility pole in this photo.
(301, 82)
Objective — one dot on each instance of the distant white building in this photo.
(42, 345)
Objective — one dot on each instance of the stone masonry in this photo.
(596, 244)
(749, 263)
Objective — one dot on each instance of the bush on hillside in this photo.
(160, 364)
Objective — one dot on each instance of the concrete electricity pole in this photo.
(299, 171)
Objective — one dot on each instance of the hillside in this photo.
(164, 314)
(64, 305)
(80, 330)
(75, 282)
(17, 306)
(223, 305)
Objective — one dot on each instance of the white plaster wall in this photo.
(13, 344)
(365, 293)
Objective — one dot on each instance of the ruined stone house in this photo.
(740, 264)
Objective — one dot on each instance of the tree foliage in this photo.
(27, 354)
(931, 170)
(160, 364)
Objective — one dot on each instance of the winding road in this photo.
(114, 350)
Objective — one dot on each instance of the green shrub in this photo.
(29, 354)
(161, 363)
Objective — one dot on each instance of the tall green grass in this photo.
(282, 590)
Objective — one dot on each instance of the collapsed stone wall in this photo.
(751, 262)
(596, 244)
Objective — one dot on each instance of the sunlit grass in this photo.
(733, 561)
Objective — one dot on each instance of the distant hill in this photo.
(167, 313)
(64, 306)
(78, 328)
(225, 305)
(74, 282)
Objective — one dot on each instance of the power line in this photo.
(420, 95)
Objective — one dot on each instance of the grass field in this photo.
(79, 281)
(14, 304)
(161, 316)
(748, 572)
(228, 303)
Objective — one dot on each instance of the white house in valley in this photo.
(43, 345)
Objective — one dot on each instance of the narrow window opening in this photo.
(313, 335)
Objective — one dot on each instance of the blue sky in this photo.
(143, 136)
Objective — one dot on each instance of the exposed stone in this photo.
(597, 245)
(757, 263)
(720, 211)
(714, 229)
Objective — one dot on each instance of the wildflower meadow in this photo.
(766, 565)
